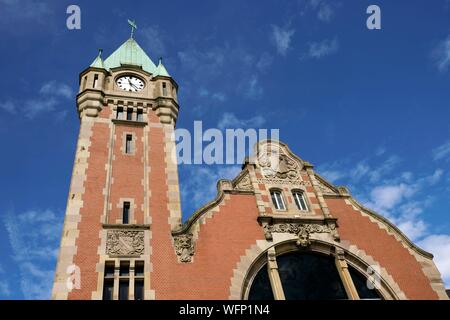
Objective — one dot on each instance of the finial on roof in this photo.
(133, 25)
(100, 51)
(160, 60)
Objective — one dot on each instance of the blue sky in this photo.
(370, 109)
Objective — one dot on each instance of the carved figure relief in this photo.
(184, 247)
(275, 164)
(245, 184)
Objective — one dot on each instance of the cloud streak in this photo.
(281, 38)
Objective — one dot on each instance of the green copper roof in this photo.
(161, 70)
(130, 53)
(98, 62)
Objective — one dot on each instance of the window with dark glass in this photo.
(124, 286)
(95, 80)
(128, 143)
(108, 282)
(139, 116)
(119, 114)
(129, 114)
(299, 198)
(139, 280)
(126, 213)
(365, 290)
(164, 89)
(277, 200)
(261, 288)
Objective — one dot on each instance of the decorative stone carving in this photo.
(184, 247)
(125, 243)
(244, 184)
(324, 188)
(294, 183)
(275, 163)
(302, 231)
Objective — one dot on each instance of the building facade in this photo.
(277, 231)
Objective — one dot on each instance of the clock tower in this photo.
(124, 178)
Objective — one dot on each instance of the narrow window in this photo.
(124, 269)
(140, 116)
(138, 289)
(108, 282)
(95, 80)
(119, 114)
(277, 200)
(125, 217)
(300, 201)
(129, 114)
(84, 82)
(139, 280)
(139, 269)
(164, 89)
(123, 289)
(128, 143)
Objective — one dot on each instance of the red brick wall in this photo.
(384, 248)
(127, 173)
(88, 240)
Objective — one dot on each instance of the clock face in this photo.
(130, 83)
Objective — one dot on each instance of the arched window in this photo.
(308, 276)
(277, 199)
(300, 201)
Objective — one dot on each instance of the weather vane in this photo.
(133, 25)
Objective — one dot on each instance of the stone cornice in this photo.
(126, 226)
(129, 122)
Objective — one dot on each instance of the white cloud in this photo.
(153, 40)
(439, 246)
(442, 152)
(264, 62)
(34, 238)
(252, 89)
(229, 120)
(325, 10)
(281, 38)
(5, 291)
(57, 89)
(50, 95)
(200, 186)
(323, 48)
(9, 107)
(441, 55)
(386, 197)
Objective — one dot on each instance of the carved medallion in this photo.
(184, 247)
(275, 163)
(125, 243)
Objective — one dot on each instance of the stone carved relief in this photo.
(276, 164)
(125, 243)
(324, 188)
(302, 231)
(184, 247)
(288, 182)
(245, 184)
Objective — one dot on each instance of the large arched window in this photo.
(308, 276)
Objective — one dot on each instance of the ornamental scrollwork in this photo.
(184, 247)
(125, 242)
(244, 184)
(303, 231)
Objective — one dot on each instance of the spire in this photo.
(98, 62)
(161, 70)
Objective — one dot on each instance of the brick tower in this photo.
(123, 177)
